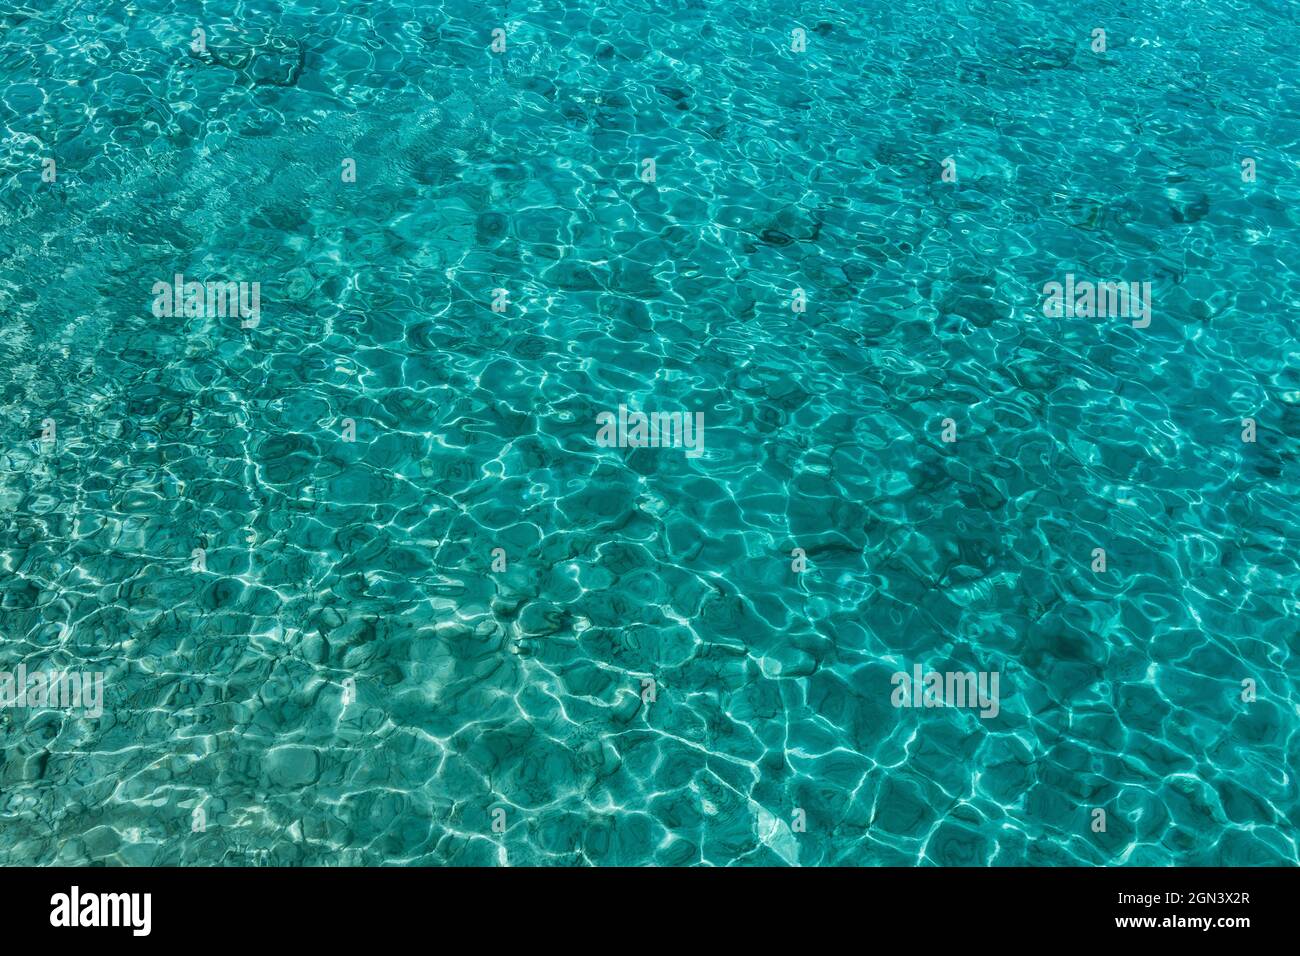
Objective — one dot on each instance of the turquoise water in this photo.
(312, 641)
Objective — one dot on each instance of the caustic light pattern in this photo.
(726, 433)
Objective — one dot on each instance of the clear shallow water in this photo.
(520, 689)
